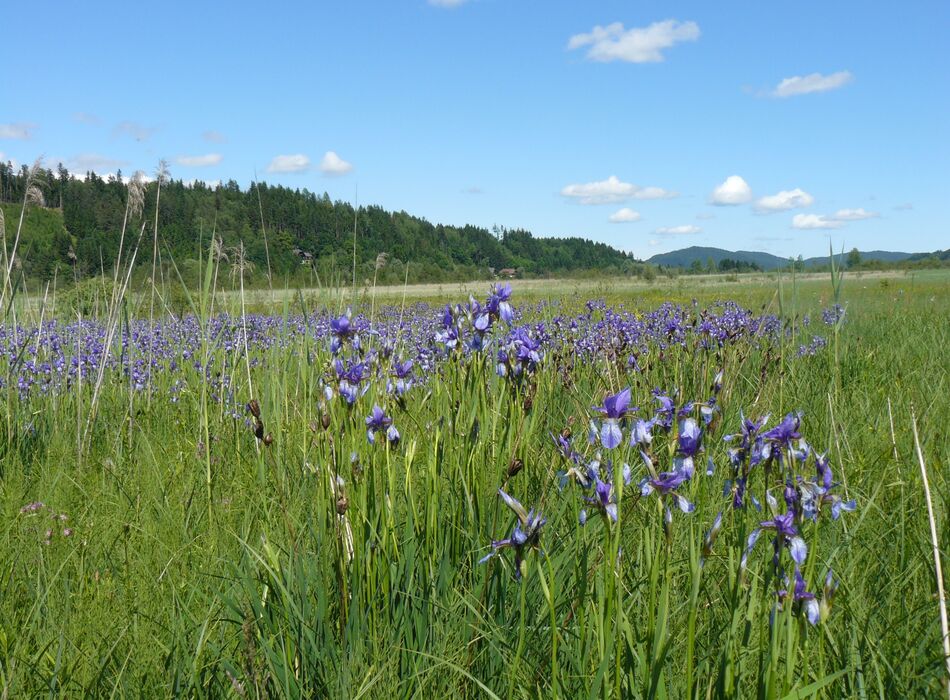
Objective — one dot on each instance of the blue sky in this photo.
(741, 125)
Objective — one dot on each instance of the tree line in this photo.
(292, 233)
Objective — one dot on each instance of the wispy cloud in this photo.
(906, 206)
(20, 131)
(783, 201)
(635, 45)
(332, 164)
(807, 222)
(213, 136)
(94, 162)
(134, 130)
(87, 118)
(612, 191)
(296, 163)
(733, 191)
(813, 82)
(685, 230)
(474, 189)
(199, 161)
(705, 216)
(624, 216)
(858, 214)
(447, 3)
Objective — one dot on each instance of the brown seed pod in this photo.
(341, 505)
(325, 421)
(259, 430)
(566, 433)
(254, 408)
(268, 440)
(515, 466)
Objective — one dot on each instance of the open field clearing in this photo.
(579, 489)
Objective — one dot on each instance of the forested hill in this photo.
(306, 233)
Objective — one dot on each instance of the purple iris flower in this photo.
(689, 438)
(641, 434)
(605, 495)
(402, 371)
(614, 410)
(786, 431)
(665, 484)
(526, 534)
(498, 302)
(802, 598)
(342, 330)
(823, 467)
(664, 414)
(379, 421)
(786, 534)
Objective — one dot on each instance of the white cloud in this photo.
(295, 163)
(332, 164)
(447, 3)
(636, 45)
(814, 221)
(612, 191)
(624, 216)
(854, 215)
(653, 241)
(134, 130)
(99, 164)
(813, 82)
(213, 136)
(686, 230)
(733, 191)
(199, 161)
(784, 200)
(20, 131)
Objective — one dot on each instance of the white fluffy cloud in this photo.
(685, 230)
(332, 164)
(624, 216)
(636, 45)
(854, 215)
(295, 163)
(733, 191)
(831, 221)
(784, 200)
(813, 82)
(814, 221)
(612, 191)
(20, 131)
(199, 161)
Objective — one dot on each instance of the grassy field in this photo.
(161, 537)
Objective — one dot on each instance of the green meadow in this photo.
(231, 531)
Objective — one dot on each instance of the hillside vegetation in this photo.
(308, 236)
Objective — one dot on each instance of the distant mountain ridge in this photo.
(685, 257)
